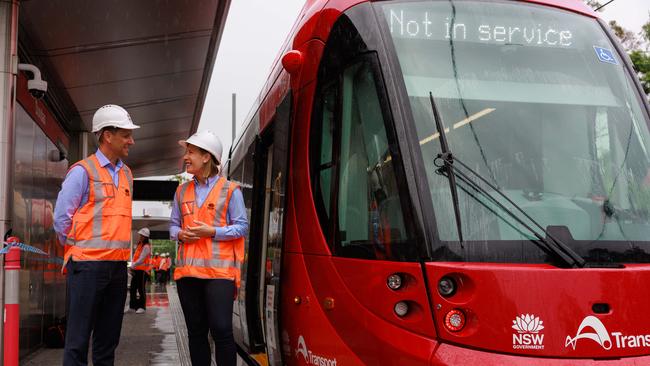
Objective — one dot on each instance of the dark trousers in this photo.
(207, 306)
(96, 292)
(137, 292)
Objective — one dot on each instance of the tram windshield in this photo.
(538, 102)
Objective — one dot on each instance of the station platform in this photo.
(157, 337)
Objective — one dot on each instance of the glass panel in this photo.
(327, 137)
(537, 101)
(369, 209)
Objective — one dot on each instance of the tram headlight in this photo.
(394, 281)
(446, 286)
(455, 320)
(401, 308)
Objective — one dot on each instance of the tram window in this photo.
(322, 158)
(327, 134)
(369, 209)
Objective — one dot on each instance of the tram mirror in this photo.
(292, 61)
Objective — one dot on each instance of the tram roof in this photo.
(154, 58)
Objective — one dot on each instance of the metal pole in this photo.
(12, 306)
(234, 117)
(8, 71)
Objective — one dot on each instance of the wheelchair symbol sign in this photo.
(605, 55)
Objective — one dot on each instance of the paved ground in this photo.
(147, 339)
(157, 337)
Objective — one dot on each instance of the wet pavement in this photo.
(157, 337)
(152, 338)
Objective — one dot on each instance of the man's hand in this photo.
(202, 230)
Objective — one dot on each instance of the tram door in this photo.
(273, 229)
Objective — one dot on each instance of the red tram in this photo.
(446, 182)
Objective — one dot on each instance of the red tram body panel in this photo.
(373, 243)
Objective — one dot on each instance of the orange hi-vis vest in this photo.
(101, 228)
(165, 264)
(155, 262)
(208, 257)
(146, 265)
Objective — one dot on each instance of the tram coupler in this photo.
(12, 307)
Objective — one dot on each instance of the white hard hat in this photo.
(144, 232)
(206, 140)
(112, 115)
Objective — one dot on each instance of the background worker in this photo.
(140, 267)
(93, 220)
(209, 221)
(155, 266)
(169, 267)
(164, 268)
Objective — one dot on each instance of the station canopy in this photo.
(153, 57)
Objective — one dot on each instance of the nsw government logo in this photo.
(528, 327)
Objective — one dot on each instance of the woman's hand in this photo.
(201, 230)
(186, 236)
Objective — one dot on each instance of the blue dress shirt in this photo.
(236, 218)
(74, 194)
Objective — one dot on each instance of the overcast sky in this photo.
(254, 33)
(631, 14)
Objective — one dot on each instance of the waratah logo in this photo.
(527, 323)
(527, 337)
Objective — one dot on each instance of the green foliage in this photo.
(641, 61)
(628, 39)
(164, 246)
(180, 178)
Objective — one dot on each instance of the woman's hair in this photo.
(145, 240)
(211, 168)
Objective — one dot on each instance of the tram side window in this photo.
(322, 138)
(369, 211)
(326, 141)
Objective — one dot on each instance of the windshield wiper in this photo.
(448, 167)
(552, 246)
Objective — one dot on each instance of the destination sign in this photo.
(482, 29)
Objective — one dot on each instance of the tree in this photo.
(641, 61)
(628, 39)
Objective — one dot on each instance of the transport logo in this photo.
(311, 358)
(528, 327)
(590, 328)
(302, 348)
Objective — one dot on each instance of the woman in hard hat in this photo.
(140, 267)
(209, 222)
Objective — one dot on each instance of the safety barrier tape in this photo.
(22, 246)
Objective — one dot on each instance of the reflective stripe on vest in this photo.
(101, 228)
(208, 257)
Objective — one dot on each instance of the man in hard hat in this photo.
(141, 266)
(93, 219)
